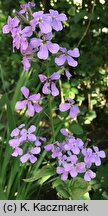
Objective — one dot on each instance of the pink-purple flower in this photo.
(74, 110)
(31, 102)
(42, 21)
(67, 56)
(44, 47)
(21, 137)
(57, 19)
(98, 155)
(24, 7)
(49, 86)
(11, 24)
(31, 155)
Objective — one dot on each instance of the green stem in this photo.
(50, 109)
(51, 117)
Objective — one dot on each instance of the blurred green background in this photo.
(86, 28)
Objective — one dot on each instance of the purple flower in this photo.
(64, 174)
(42, 21)
(31, 155)
(28, 55)
(74, 110)
(17, 151)
(97, 155)
(67, 56)
(28, 135)
(77, 168)
(67, 73)
(73, 145)
(20, 136)
(39, 141)
(88, 156)
(26, 63)
(20, 37)
(30, 101)
(49, 86)
(57, 19)
(49, 147)
(44, 46)
(64, 132)
(11, 24)
(16, 137)
(25, 6)
(89, 175)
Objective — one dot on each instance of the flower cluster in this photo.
(74, 158)
(21, 136)
(32, 34)
(23, 28)
(32, 102)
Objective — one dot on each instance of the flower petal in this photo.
(30, 110)
(35, 150)
(15, 132)
(74, 112)
(46, 89)
(53, 47)
(45, 27)
(42, 77)
(24, 158)
(21, 104)
(43, 52)
(35, 42)
(25, 91)
(74, 52)
(64, 107)
(73, 172)
(35, 97)
(49, 147)
(68, 74)
(60, 60)
(64, 132)
(6, 29)
(31, 137)
(54, 90)
(55, 76)
(57, 25)
(37, 108)
(33, 159)
(71, 61)
(32, 129)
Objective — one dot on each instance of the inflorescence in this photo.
(32, 35)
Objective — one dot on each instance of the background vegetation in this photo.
(87, 28)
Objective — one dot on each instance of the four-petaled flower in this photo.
(67, 56)
(30, 101)
(42, 21)
(44, 45)
(30, 155)
(11, 24)
(49, 86)
(57, 19)
(97, 155)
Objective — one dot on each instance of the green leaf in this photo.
(2, 193)
(78, 187)
(76, 128)
(46, 171)
(61, 187)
